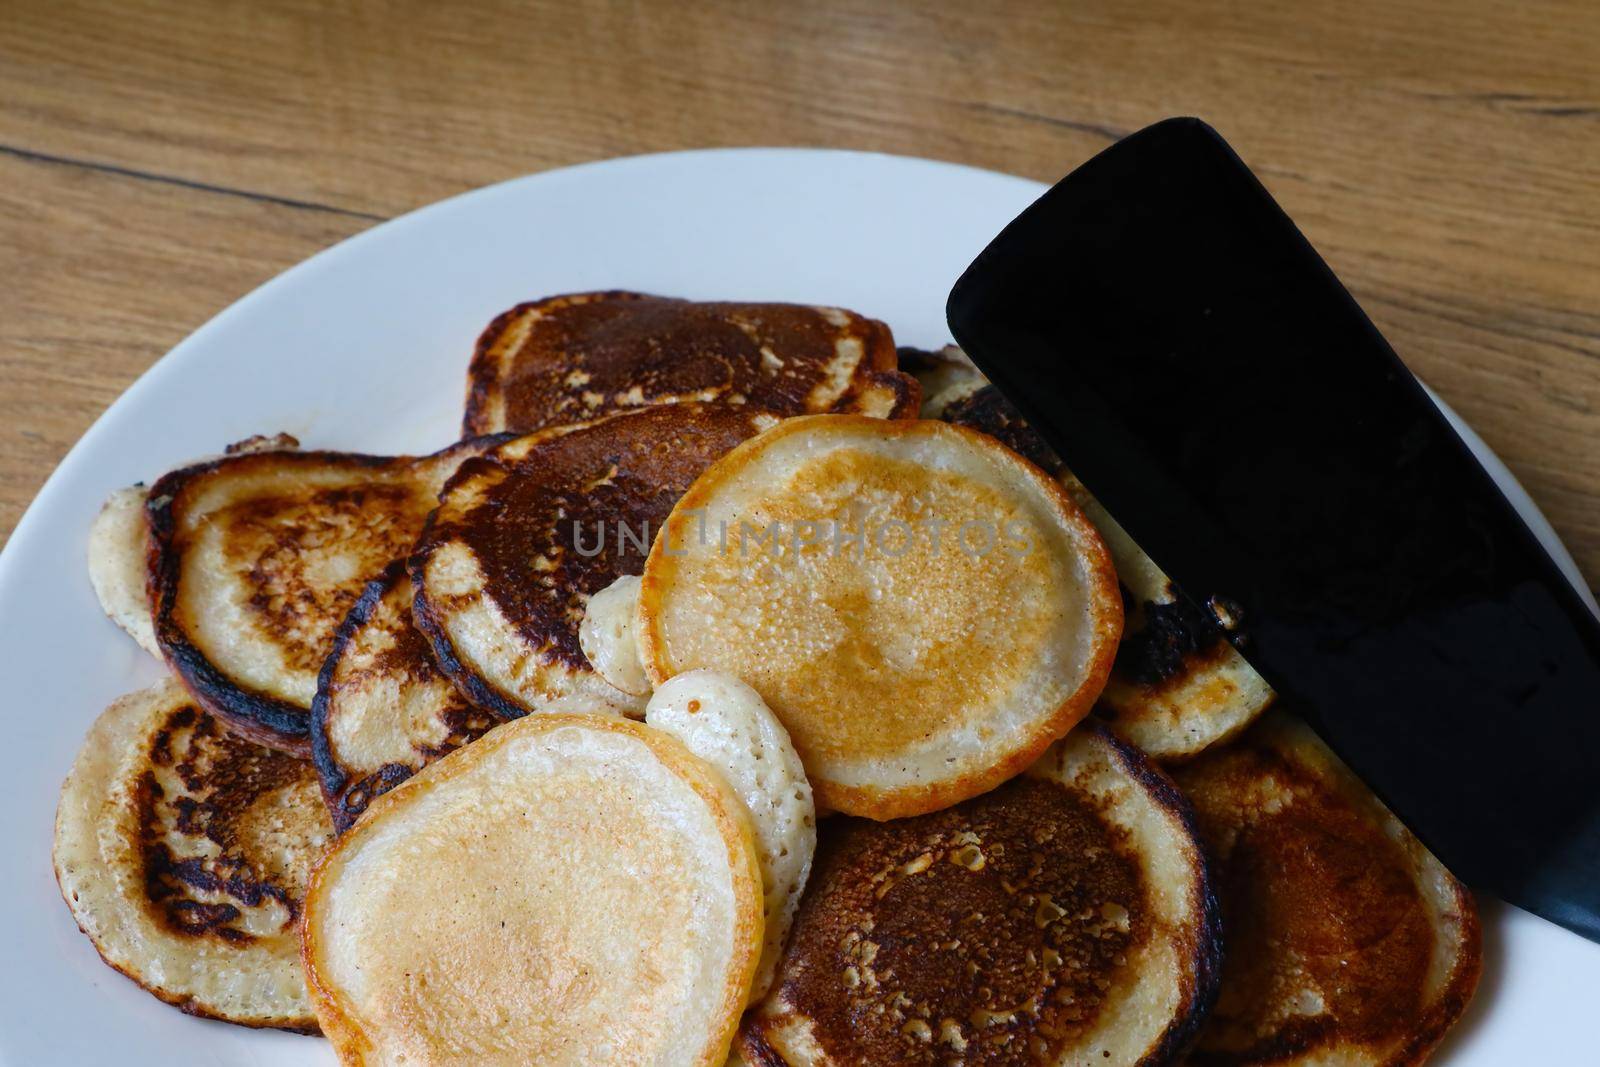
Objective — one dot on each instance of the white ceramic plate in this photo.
(365, 347)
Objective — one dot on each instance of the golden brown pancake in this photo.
(256, 559)
(1348, 942)
(184, 852)
(924, 611)
(524, 536)
(579, 357)
(568, 889)
(1178, 686)
(1062, 919)
(383, 710)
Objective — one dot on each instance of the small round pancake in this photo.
(1348, 942)
(383, 711)
(527, 534)
(184, 853)
(609, 636)
(923, 610)
(256, 559)
(568, 889)
(726, 723)
(1063, 919)
(1177, 686)
(583, 356)
(119, 541)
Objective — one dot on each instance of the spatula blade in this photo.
(1165, 326)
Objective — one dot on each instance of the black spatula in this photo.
(1166, 327)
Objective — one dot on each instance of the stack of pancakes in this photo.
(513, 752)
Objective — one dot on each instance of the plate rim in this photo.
(175, 358)
(33, 526)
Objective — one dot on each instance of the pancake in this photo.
(255, 560)
(569, 889)
(946, 375)
(1348, 942)
(383, 711)
(579, 357)
(184, 853)
(912, 668)
(526, 535)
(1178, 686)
(1062, 919)
(118, 544)
(119, 548)
(725, 723)
(609, 638)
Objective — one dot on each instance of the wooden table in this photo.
(160, 159)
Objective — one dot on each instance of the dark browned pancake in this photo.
(184, 853)
(575, 358)
(1178, 686)
(383, 711)
(526, 534)
(1348, 942)
(119, 549)
(945, 376)
(1063, 918)
(255, 560)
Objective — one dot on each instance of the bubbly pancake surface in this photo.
(726, 723)
(1347, 941)
(1177, 686)
(184, 853)
(609, 636)
(1062, 918)
(524, 536)
(257, 558)
(923, 612)
(383, 710)
(575, 358)
(567, 890)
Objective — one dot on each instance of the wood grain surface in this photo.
(160, 159)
